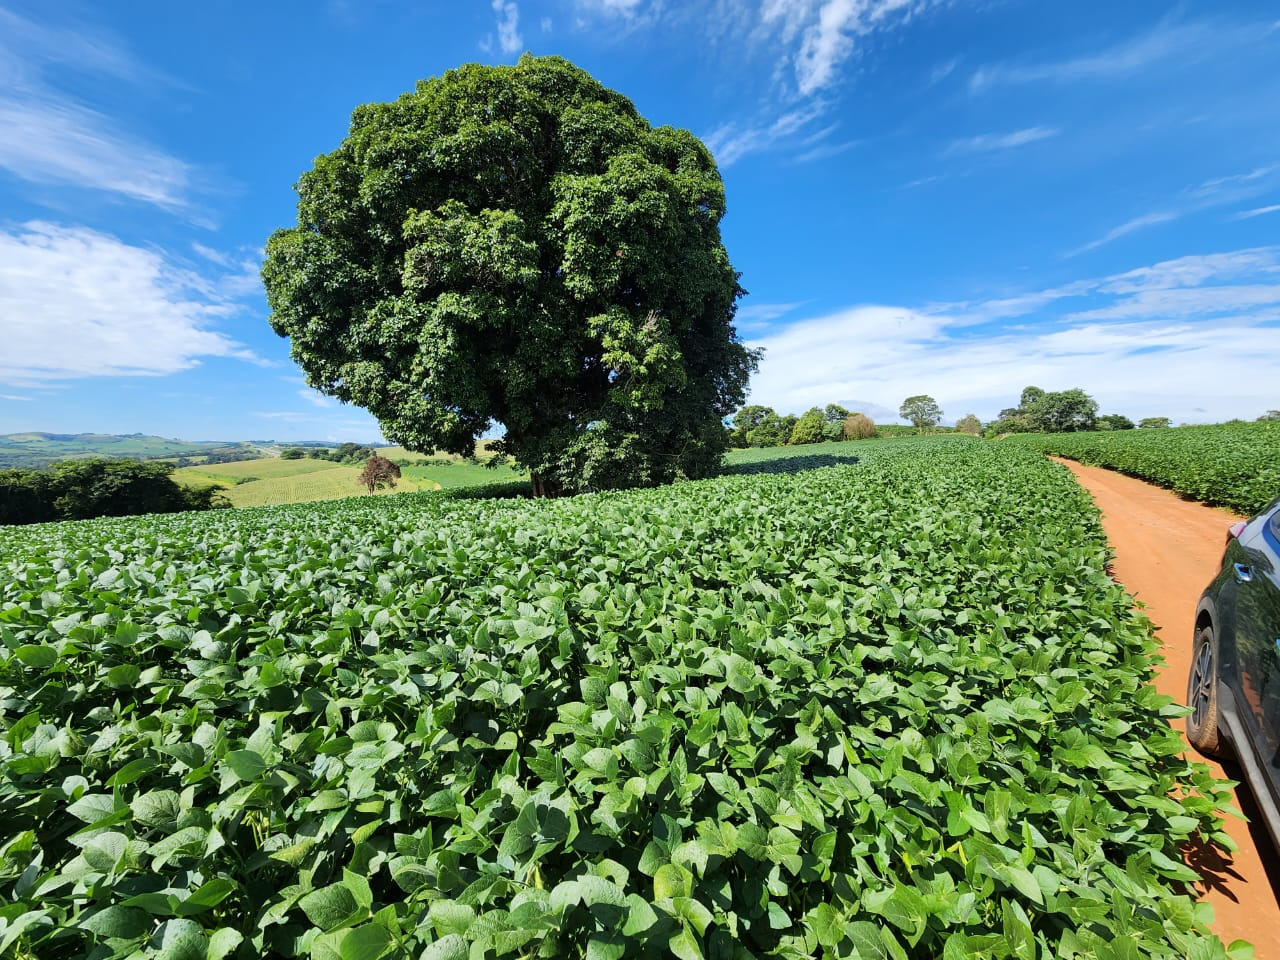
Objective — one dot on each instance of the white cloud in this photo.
(1164, 43)
(25, 45)
(44, 139)
(730, 143)
(15, 397)
(830, 41)
(1211, 188)
(810, 43)
(78, 303)
(1193, 271)
(1150, 333)
(47, 137)
(1214, 192)
(612, 8)
(988, 142)
(508, 13)
(1256, 212)
(1128, 227)
(314, 398)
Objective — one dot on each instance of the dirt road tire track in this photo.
(1166, 551)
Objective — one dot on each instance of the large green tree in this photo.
(922, 410)
(516, 244)
(1062, 411)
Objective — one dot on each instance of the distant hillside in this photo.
(41, 449)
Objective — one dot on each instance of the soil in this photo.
(1166, 551)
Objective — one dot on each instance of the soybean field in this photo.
(1234, 465)
(889, 708)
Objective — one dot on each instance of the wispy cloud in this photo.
(45, 139)
(989, 142)
(508, 14)
(811, 43)
(1236, 183)
(48, 137)
(1256, 212)
(1166, 42)
(1214, 192)
(78, 303)
(14, 397)
(833, 38)
(760, 314)
(315, 399)
(1133, 341)
(1124, 229)
(730, 142)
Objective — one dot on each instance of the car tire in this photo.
(1202, 691)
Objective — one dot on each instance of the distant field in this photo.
(266, 468)
(279, 481)
(462, 474)
(33, 450)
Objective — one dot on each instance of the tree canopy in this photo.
(1062, 411)
(379, 473)
(517, 244)
(82, 489)
(922, 410)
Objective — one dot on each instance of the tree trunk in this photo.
(545, 487)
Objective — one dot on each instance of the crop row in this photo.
(893, 709)
(1234, 465)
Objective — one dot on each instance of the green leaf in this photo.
(157, 808)
(671, 881)
(222, 942)
(827, 925)
(248, 765)
(331, 907)
(367, 942)
(684, 945)
(641, 917)
(180, 940)
(123, 675)
(449, 916)
(206, 896)
(449, 947)
(37, 655)
(117, 922)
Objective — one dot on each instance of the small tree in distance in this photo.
(858, 426)
(380, 472)
(808, 428)
(1270, 415)
(1153, 423)
(922, 410)
(969, 424)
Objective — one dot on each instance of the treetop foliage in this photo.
(379, 473)
(517, 244)
(922, 410)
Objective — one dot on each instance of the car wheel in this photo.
(1202, 691)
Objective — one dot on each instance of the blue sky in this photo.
(953, 198)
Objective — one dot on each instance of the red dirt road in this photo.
(1167, 550)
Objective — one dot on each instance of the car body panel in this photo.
(1243, 605)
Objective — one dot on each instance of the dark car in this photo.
(1234, 688)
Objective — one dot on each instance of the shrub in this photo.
(859, 426)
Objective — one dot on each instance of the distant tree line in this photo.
(1063, 411)
(82, 489)
(1038, 411)
(345, 453)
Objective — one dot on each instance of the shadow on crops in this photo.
(789, 465)
(1216, 866)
